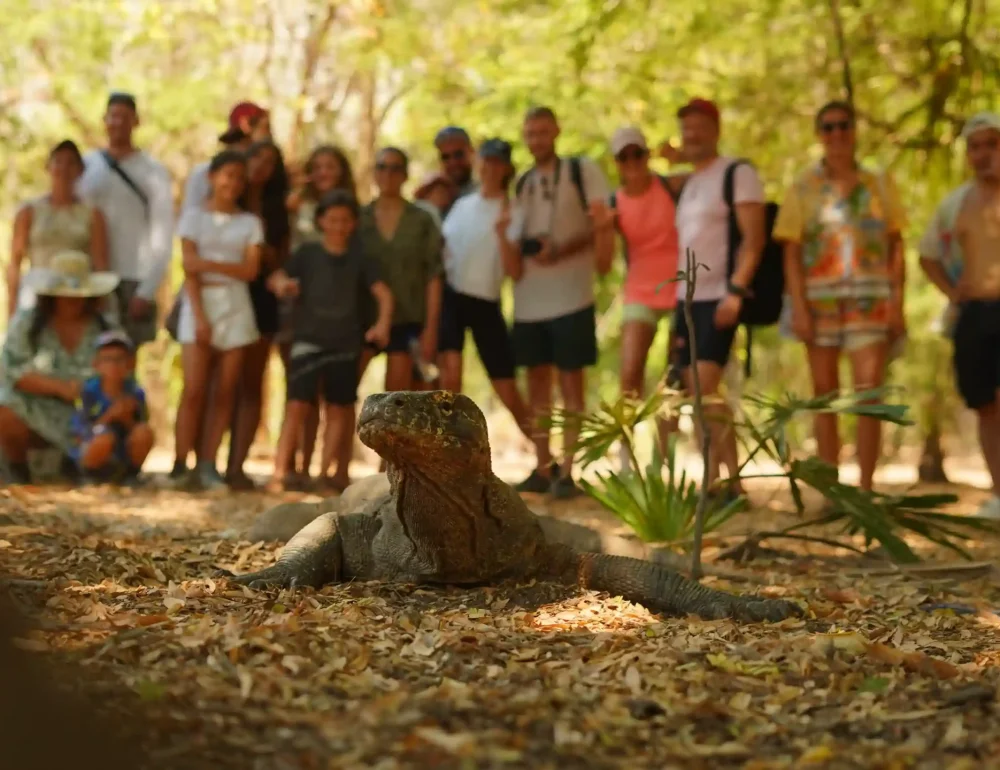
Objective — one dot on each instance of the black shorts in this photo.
(977, 352)
(400, 336)
(569, 341)
(265, 307)
(713, 344)
(336, 373)
(489, 331)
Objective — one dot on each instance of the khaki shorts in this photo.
(636, 312)
(230, 314)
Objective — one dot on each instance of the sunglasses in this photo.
(835, 125)
(635, 153)
(455, 155)
(394, 168)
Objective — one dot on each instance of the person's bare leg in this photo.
(97, 452)
(539, 405)
(450, 365)
(989, 440)
(139, 443)
(508, 393)
(291, 429)
(196, 361)
(637, 337)
(208, 397)
(824, 365)
(571, 385)
(722, 439)
(339, 420)
(230, 371)
(346, 451)
(307, 446)
(247, 411)
(15, 436)
(868, 364)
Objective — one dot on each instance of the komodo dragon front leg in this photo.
(657, 588)
(330, 549)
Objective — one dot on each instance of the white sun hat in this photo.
(69, 275)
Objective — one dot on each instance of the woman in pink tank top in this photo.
(644, 207)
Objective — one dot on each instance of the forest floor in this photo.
(534, 676)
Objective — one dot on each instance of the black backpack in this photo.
(575, 174)
(674, 196)
(768, 284)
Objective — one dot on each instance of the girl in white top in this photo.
(474, 272)
(221, 245)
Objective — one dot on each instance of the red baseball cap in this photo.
(239, 113)
(704, 106)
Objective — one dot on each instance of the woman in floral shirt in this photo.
(47, 355)
(844, 268)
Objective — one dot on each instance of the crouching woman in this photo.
(46, 357)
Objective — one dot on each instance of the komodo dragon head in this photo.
(427, 429)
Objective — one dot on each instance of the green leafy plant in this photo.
(662, 510)
(658, 510)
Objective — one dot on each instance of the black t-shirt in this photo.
(328, 311)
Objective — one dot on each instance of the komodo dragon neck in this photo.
(441, 512)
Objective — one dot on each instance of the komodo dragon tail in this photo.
(662, 590)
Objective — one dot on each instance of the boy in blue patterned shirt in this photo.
(111, 421)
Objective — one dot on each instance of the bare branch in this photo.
(845, 62)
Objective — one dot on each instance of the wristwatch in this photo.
(739, 291)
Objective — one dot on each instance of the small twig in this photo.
(758, 537)
(699, 416)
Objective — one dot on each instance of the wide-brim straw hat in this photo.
(69, 275)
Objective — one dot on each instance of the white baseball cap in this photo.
(982, 121)
(627, 136)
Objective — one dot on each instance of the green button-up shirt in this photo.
(408, 261)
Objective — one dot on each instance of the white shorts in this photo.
(230, 314)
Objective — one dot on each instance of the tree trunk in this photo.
(931, 467)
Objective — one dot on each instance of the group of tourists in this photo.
(292, 260)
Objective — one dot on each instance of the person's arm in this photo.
(98, 240)
(895, 224)
(595, 188)
(18, 248)
(748, 198)
(932, 254)
(19, 359)
(192, 280)
(386, 305)
(603, 217)
(434, 288)
(788, 228)
(508, 231)
(245, 270)
(161, 232)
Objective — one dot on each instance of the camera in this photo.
(531, 247)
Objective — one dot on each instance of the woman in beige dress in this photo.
(55, 222)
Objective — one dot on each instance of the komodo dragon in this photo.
(448, 519)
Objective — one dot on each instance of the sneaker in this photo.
(564, 488)
(990, 509)
(538, 484)
(209, 477)
(19, 474)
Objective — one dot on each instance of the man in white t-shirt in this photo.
(133, 192)
(703, 227)
(552, 237)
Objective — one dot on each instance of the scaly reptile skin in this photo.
(449, 520)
